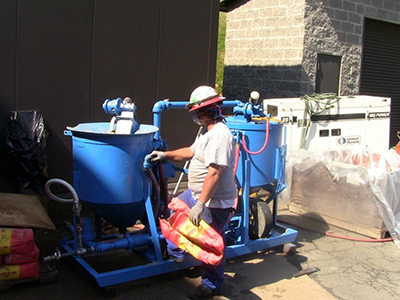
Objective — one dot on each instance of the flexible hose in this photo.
(76, 208)
(237, 154)
(56, 198)
(340, 236)
(265, 142)
(163, 187)
(155, 185)
(75, 199)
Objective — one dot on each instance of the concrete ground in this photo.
(347, 270)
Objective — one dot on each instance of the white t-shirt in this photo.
(216, 146)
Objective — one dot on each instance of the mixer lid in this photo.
(104, 128)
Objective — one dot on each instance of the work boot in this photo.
(202, 292)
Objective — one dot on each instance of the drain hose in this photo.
(75, 200)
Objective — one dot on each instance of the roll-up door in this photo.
(380, 68)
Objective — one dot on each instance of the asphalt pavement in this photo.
(346, 269)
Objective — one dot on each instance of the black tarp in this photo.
(25, 140)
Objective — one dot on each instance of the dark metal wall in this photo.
(65, 57)
(381, 67)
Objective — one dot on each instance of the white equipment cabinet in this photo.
(349, 121)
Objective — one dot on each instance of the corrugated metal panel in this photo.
(8, 34)
(64, 58)
(381, 67)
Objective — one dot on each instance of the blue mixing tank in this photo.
(108, 172)
(263, 166)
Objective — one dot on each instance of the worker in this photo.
(211, 189)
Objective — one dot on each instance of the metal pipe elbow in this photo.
(161, 105)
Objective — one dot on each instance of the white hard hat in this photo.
(203, 96)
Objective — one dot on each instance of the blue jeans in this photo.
(217, 218)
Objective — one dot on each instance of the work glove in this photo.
(196, 212)
(156, 156)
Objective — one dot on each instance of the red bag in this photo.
(202, 242)
(16, 240)
(10, 272)
(31, 255)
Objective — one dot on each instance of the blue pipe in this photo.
(128, 242)
(162, 105)
(231, 103)
(159, 107)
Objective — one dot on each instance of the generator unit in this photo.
(328, 122)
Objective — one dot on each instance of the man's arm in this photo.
(179, 154)
(211, 182)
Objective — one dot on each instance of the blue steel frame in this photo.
(279, 235)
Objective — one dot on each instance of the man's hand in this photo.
(156, 156)
(196, 212)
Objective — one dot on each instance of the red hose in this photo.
(359, 239)
(340, 236)
(237, 154)
(265, 143)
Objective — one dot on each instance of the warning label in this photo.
(348, 140)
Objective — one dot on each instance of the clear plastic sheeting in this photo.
(362, 175)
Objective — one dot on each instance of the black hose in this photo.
(155, 185)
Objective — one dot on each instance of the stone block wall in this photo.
(263, 47)
(272, 45)
(265, 32)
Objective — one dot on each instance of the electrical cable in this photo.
(315, 104)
